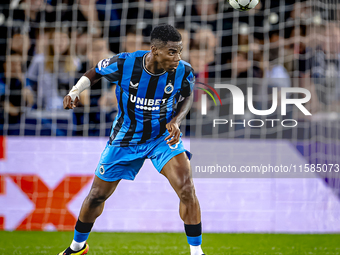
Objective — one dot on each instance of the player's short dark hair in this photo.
(164, 33)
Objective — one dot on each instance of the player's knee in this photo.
(96, 198)
(187, 192)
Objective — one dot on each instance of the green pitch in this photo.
(168, 243)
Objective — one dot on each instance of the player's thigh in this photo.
(101, 190)
(118, 163)
(162, 153)
(178, 171)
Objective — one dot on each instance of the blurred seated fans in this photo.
(12, 96)
(31, 15)
(326, 65)
(88, 19)
(18, 42)
(83, 22)
(98, 106)
(53, 71)
(50, 76)
(186, 42)
(202, 53)
(135, 40)
(204, 15)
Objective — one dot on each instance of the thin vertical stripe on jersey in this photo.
(125, 81)
(158, 95)
(141, 93)
(134, 79)
(118, 122)
(163, 119)
(177, 86)
(147, 114)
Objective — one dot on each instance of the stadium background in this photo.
(49, 154)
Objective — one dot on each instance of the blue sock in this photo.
(82, 231)
(80, 237)
(194, 234)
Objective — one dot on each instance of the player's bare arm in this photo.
(174, 124)
(88, 79)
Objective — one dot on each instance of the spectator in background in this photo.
(240, 65)
(274, 74)
(84, 24)
(114, 16)
(198, 59)
(152, 11)
(301, 10)
(205, 16)
(325, 69)
(206, 13)
(86, 17)
(31, 14)
(202, 53)
(19, 42)
(207, 39)
(298, 45)
(98, 105)
(274, 70)
(186, 43)
(53, 71)
(135, 40)
(100, 50)
(12, 80)
(160, 9)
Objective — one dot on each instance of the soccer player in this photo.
(150, 84)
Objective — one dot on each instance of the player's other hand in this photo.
(68, 104)
(174, 131)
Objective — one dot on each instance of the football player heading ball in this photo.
(149, 83)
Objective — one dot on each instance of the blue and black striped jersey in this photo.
(145, 100)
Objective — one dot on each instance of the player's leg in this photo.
(178, 171)
(93, 204)
(92, 207)
(115, 163)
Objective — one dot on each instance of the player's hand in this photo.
(68, 104)
(174, 131)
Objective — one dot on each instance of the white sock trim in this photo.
(75, 246)
(196, 250)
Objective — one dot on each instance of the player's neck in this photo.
(152, 65)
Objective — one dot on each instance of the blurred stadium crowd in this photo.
(46, 45)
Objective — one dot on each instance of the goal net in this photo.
(267, 80)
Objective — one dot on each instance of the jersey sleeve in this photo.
(188, 82)
(109, 69)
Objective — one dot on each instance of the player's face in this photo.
(170, 55)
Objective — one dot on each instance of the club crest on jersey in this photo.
(169, 88)
(133, 85)
(101, 170)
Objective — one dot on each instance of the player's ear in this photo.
(154, 50)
